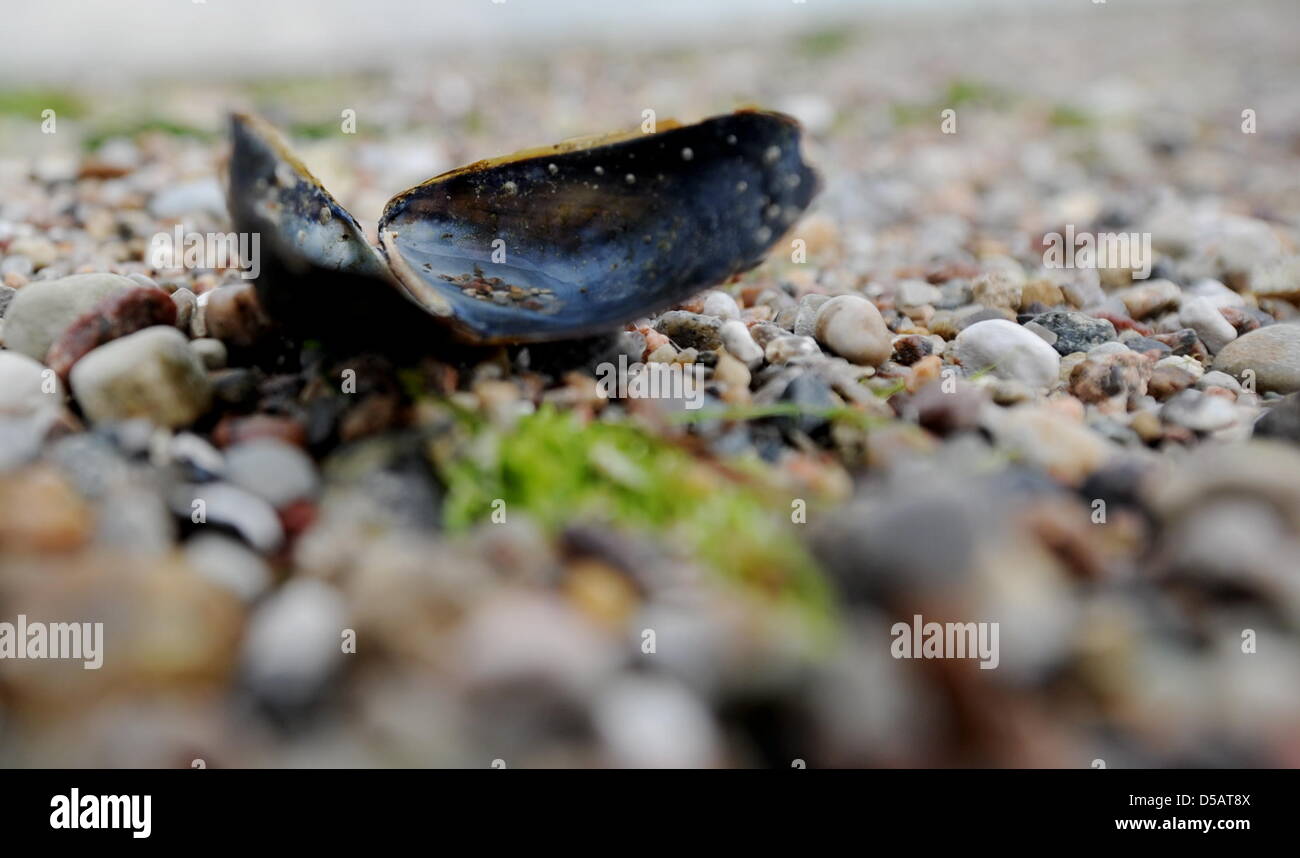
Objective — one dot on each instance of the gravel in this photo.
(916, 415)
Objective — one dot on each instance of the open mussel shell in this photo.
(319, 276)
(273, 191)
(549, 244)
(585, 236)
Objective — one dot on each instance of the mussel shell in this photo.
(319, 275)
(271, 189)
(556, 243)
(581, 238)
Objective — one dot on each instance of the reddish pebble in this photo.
(234, 315)
(653, 340)
(116, 316)
(236, 430)
(1122, 322)
(694, 304)
(1241, 320)
(297, 517)
(749, 294)
(952, 271)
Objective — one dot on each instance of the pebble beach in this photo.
(304, 555)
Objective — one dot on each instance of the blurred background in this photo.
(525, 641)
(234, 38)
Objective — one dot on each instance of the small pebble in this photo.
(117, 315)
(1198, 411)
(40, 313)
(740, 344)
(691, 330)
(721, 305)
(1202, 315)
(211, 351)
(292, 646)
(186, 303)
(152, 373)
(234, 315)
(851, 327)
(1008, 351)
(1271, 354)
(1075, 332)
(997, 289)
(1150, 298)
(277, 472)
(785, 349)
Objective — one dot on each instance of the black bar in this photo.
(327, 807)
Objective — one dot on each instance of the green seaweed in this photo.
(31, 103)
(316, 130)
(150, 125)
(959, 92)
(556, 469)
(964, 91)
(823, 43)
(1067, 116)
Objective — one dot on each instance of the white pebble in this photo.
(740, 343)
(721, 304)
(1202, 315)
(853, 328)
(1008, 351)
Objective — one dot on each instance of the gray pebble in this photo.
(916, 293)
(199, 460)
(653, 722)
(1199, 412)
(225, 505)
(1218, 379)
(784, 349)
(211, 351)
(135, 520)
(1272, 354)
(151, 373)
(1110, 348)
(275, 471)
(1282, 420)
(229, 564)
(42, 310)
(192, 197)
(293, 644)
(690, 330)
(805, 315)
(27, 387)
(186, 304)
(1075, 332)
(1202, 315)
